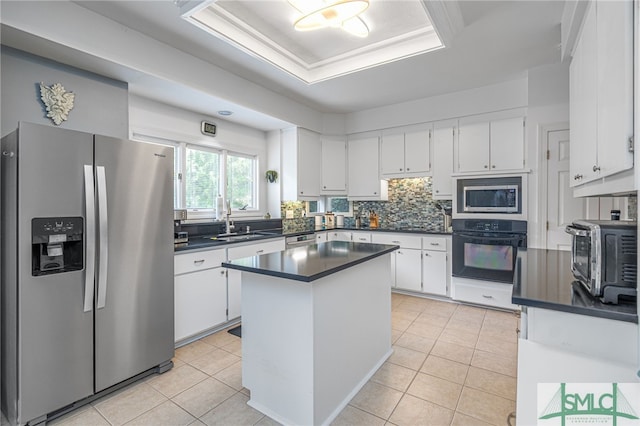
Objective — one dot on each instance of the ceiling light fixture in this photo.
(331, 13)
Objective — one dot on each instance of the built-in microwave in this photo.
(489, 196)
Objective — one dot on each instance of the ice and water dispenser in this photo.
(57, 245)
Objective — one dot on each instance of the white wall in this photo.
(156, 120)
(487, 99)
(548, 89)
(100, 103)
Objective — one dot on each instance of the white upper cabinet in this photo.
(473, 147)
(601, 93)
(491, 146)
(443, 140)
(364, 167)
(507, 144)
(301, 155)
(406, 153)
(334, 166)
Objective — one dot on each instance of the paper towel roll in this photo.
(318, 221)
(339, 220)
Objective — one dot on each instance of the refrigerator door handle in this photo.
(103, 254)
(90, 232)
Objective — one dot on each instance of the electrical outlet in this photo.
(289, 214)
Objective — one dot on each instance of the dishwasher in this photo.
(300, 240)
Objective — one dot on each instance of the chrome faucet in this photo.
(230, 225)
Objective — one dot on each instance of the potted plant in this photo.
(272, 176)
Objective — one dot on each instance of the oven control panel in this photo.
(489, 225)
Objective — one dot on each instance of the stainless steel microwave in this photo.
(491, 198)
(490, 195)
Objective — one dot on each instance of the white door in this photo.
(562, 207)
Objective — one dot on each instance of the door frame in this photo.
(543, 202)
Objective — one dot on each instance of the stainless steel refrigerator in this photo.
(87, 277)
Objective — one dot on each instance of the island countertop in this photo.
(543, 279)
(309, 263)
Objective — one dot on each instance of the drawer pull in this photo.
(396, 241)
(487, 297)
(362, 239)
(198, 262)
(435, 244)
(259, 251)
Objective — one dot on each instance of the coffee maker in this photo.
(57, 245)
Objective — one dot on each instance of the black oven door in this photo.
(486, 256)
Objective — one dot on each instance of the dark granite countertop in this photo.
(400, 229)
(312, 262)
(209, 241)
(543, 279)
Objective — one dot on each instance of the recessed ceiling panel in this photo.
(397, 29)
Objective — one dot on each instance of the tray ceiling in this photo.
(398, 30)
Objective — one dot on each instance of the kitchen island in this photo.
(316, 325)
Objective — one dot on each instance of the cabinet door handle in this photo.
(487, 297)
(401, 169)
(577, 177)
(223, 272)
(198, 262)
(493, 167)
(259, 251)
(407, 169)
(486, 167)
(375, 193)
(596, 168)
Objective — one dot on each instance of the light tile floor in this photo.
(452, 364)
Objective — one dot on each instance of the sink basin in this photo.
(241, 237)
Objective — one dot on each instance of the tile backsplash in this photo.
(410, 205)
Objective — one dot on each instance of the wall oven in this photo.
(486, 249)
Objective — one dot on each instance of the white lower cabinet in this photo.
(483, 293)
(434, 272)
(408, 269)
(200, 287)
(361, 237)
(406, 265)
(339, 236)
(234, 278)
(435, 265)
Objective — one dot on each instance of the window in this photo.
(333, 204)
(241, 181)
(201, 178)
(200, 174)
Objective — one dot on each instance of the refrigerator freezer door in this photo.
(55, 343)
(134, 329)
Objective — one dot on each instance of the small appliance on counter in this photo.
(180, 239)
(329, 220)
(604, 257)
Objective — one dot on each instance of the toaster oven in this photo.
(604, 257)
